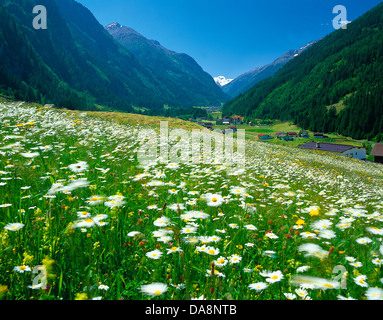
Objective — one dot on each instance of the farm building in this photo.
(263, 136)
(286, 138)
(377, 152)
(292, 134)
(226, 120)
(304, 134)
(344, 150)
(236, 120)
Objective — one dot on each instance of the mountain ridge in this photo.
(248, 79)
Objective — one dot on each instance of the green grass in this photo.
(266, 214)
(216, 115)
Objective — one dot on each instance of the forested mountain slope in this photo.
(334, 86)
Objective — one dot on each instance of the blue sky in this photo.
(228, 37)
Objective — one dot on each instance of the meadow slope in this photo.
(76, 203)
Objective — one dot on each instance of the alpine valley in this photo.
(76, 63)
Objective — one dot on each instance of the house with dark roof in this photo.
(377, 152)
(292, 134)
(342, 149)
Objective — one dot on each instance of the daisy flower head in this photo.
(321, 224)
(79, 166)
(86, 223)
(356, 264)
(377, 261)
(213, 200)
(250, 227)
(313, 250)
(172, 166)
(134, 233)
(290, 296)
(303, 268)
(374, 294)
(22, 269)
(363, 240)
(14, 226)
(220, 262)
(360, 280)
(238, 190)
(375, 230)
(235, 258)
(327, 234)
(188, 230)
(162, 222)
(214, 238)
(154, 289)
(271, 235)
(340, 297)
(103, 287)
(308, 235)
(95, 200)
(155, 254)
(212, 251)
(272, 277)
(174, 249)
(173, 191)
(83, 214)
(29, 154)
(301, 292)
(314, 282)
(258, 286)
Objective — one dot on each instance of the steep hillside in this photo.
(334, 86)
(190, 84)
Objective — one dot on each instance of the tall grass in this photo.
(267, 213)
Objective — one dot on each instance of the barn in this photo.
(342, 149)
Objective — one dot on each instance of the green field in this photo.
(80, 209)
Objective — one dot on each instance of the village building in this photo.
(377, 152)
(236, 120)
(226, 120)
(263, 136)
(292, 134)
(342, 149)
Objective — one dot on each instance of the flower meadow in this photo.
(81, 218)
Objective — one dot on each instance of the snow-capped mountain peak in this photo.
(222, 81)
